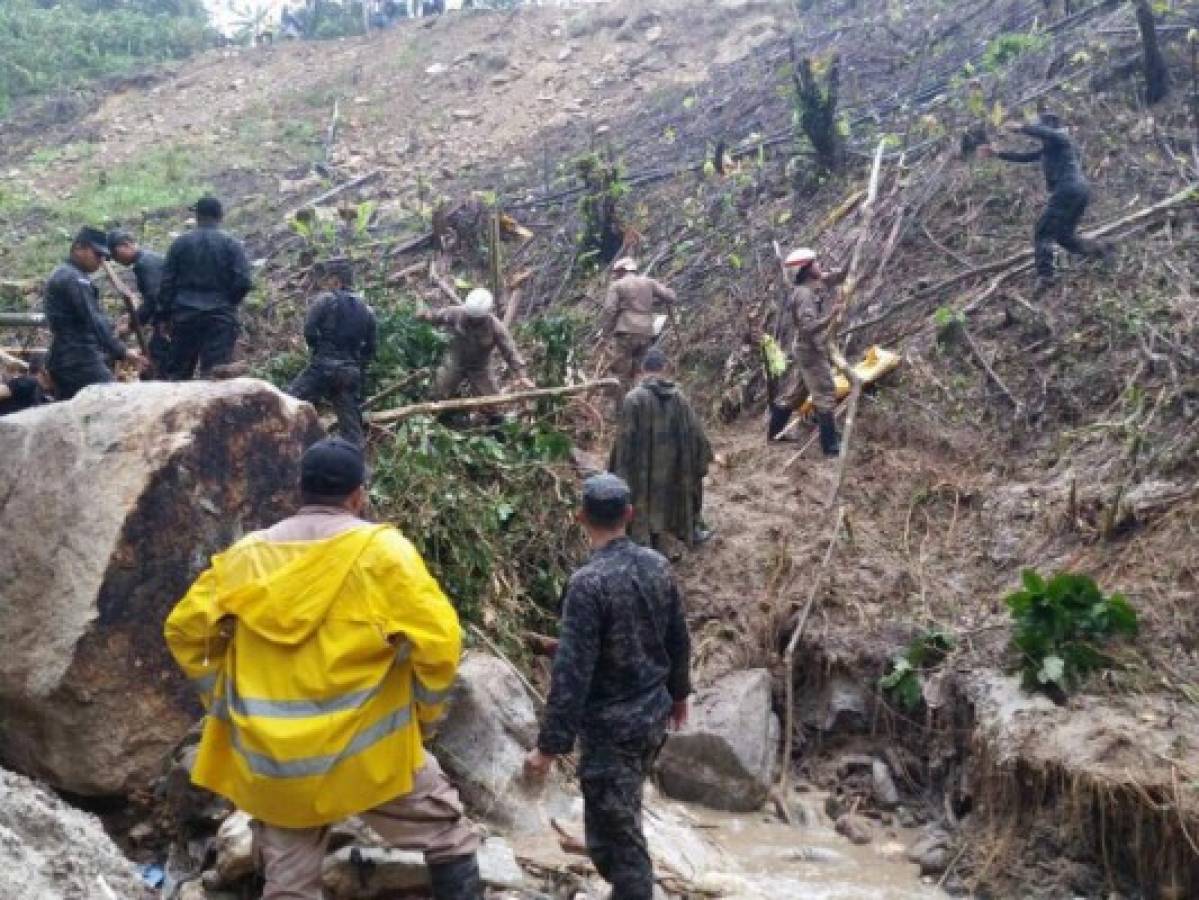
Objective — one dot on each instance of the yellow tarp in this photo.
(874, 365)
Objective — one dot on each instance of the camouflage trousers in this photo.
(810, 375)
(612, 777)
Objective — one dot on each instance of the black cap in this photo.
(208, 208)
(339, 267)
(606, 497)
(94, 238)
(332, 468)
(655, 360)
(119, 236)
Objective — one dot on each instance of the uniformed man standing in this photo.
(805, 319)
(1069, 194)
(621, 674)
(205, 279)
(629, 318)
(82, 337)
(340, 332)
(147, 268)
(474, 333)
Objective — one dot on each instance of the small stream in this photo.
(747, 856)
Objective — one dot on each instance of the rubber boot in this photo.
(779, 417)
(830, 440)
(456, 879)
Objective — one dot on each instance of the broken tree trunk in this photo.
(818, 108)
(463, 404)
(1157, 73)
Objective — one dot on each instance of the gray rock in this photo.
(845, 707)
(931, 851)
(886, 794)
(234, 850)
(125, 493)
(51, 850)
(384, 871)
(855, 829)
(725, 758)
(483, 740)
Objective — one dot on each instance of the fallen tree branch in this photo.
(470, 403)
(130, 308)
(13, 361)
(991, 373)
(392, 389)
(339, 189)
(21, 320)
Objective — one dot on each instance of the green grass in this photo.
(166, 179)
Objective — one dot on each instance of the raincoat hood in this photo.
(286, 605)
(660, 387)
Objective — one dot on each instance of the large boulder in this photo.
(114, 502)
(52, 851)
(725, 757)
(490, 727)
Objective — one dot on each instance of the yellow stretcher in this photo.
(874, 365)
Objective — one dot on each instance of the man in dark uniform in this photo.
(25, 390)
(621, 673)
(205, 279)
(147, 268)
(340, 332)
(82, 336)
(1069, 194)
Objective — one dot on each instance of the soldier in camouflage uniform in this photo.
(621, 674)
(341, 333)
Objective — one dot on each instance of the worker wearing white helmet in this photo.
(803, 328)
(628, 318)
(474, 333)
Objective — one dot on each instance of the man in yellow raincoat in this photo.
(321, 648)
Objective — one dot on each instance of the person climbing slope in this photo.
(1069, 194)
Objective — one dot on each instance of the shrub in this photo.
(905, 680)
(1060, 627)
(1011, 46)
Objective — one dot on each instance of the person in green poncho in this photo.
(661, 451)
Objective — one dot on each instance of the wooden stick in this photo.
(127, 296)
(789, 655)
(340, 189)
(408, 379)
(468, 403)
(495, 648)
(21, 320)
(511, 307)
(998, 382)
(840, 411)
(14, 361)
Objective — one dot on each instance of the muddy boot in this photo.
(830, 440)
(1044, 286)
(779, 417)
(456, 879)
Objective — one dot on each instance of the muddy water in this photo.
(747, 857)
(774, 860)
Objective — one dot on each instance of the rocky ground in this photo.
(1076, 450)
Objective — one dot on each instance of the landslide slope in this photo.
(1053, 433)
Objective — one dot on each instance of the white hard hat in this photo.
(797, 259)
(479, 303)
(625, 264)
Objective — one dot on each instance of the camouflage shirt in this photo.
(624, 654)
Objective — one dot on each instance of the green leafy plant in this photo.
(905, 679)
(1061, 625)
(1011, 46)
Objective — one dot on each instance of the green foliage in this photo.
(1060, 625)
(488, 513)
(282, 368)
(557, 336)
(905, 680)
(50, 46)
(604, 187)
(1011, 46)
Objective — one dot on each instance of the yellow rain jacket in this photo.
(315, 689)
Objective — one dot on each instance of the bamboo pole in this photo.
(387, 417)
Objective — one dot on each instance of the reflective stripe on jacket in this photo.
(317, 661)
